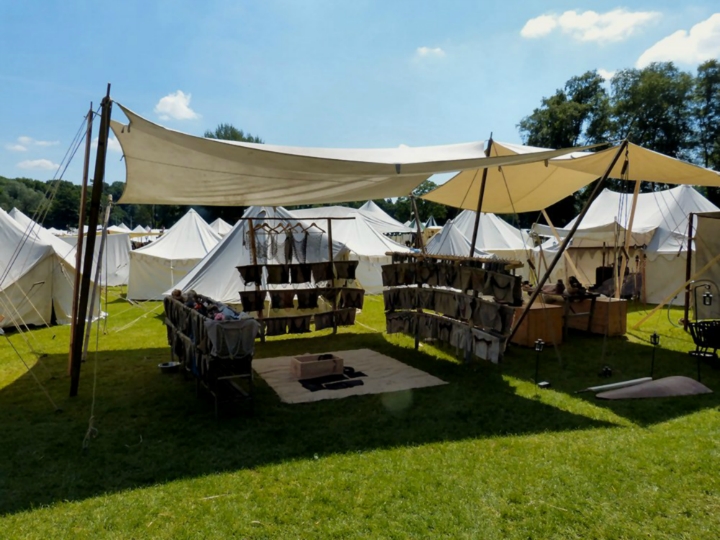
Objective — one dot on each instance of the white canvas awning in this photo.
(168, 167)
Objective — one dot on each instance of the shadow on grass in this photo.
(151, 427)
(577, 365)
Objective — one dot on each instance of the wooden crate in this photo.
(310, 366)
(610, 316)
(543, 321)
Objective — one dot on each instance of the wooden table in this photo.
(543, 321)
(609, 316)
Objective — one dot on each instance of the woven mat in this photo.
(384, 374)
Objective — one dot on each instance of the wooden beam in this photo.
(82, 312)
(420, 242)
(481, 196)
(628, 236)
(688, 271)
(557, 237)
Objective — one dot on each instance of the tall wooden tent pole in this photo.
(420, 243)
(688, 271)
(82, 308)
(628, 237)
(481, 196)
(567, 239)
(81, 231)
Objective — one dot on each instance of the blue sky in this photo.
(336, 73)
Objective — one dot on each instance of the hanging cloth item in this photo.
(389, 275)
(250, 273)
(300, 273)
(252, 300)
(276, 327)
(307, 298)
(321, 271)
(299, 325)
(352, 298)
(345, 269)
(329, 294)
(426, 272)
(280, 299)
(324, 320)
(346, 317)
(425, 298)
(278, 274)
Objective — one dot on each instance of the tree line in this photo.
(659, 107)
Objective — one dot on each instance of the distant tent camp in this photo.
(658, 237)
(495, 235)
(216, 276)
(157, 267)
(221, 226)
(36, 276)
(451, 241)
(139, 229)
(116, 257)
(431, 222)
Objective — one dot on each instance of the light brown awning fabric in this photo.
(512, 189)
(168, 167)
(534, 186)
(644, 165)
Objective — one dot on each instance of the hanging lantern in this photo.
(539, 344)
(707, 299)
(655, 339)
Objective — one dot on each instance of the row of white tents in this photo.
(37, 280)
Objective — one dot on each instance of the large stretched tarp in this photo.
(168, 167)
(535, 186)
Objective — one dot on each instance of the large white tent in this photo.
(36, 278)
(217, 277)
(451, 241)
(116, 257)
(158, 266)
(366, 244)
(221, 226)
(495, 235)
(381, 221)
(659, 232)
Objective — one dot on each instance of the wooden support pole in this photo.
(82, 311)
(688, 271)
(331, 256)
(481, 196)
(628, 237)
(420, 243)
(81, 232)
(567, 239)
(253, 252)
(676, 291)
(557, 237)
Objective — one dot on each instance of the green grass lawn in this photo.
(486, 456)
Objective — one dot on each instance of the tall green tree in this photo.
(228, 132)
(578, 113)
(706, 113)
(426, 209)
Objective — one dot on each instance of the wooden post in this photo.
(81, 232)
(332, 273)
(481, 196)
(253, 251)
(567, 239)
(628, 236)
(688, 271)
(99, 177)
(567, 255)
(420, 242)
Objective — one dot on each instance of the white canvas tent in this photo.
(366, 244)
(36, 280)
(495, 235)
(221, 226)
(451, 241)
(139, 229)
(217, 277)
(116, 258)
(381, 221)
(660, 225)
(158, 266)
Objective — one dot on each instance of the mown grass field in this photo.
(486, 456)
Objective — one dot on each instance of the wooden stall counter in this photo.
(609, 315)
(543, 321)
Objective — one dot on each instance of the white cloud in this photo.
(26, 141)
(430, 52)
(701, 43)
(113, 144)
(176, 106)
(605, 74)
(44, 164)
(539, 26)
(616, 25)
(16, 147)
